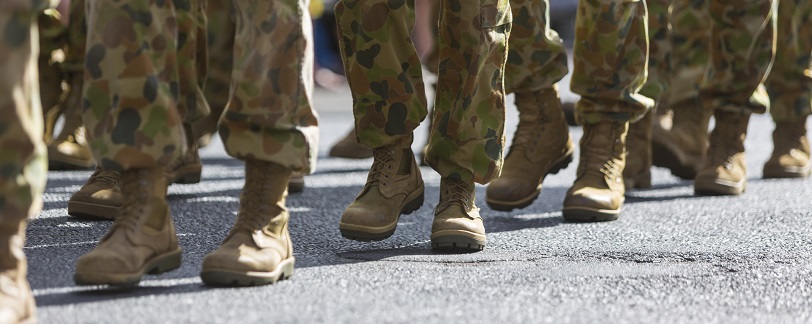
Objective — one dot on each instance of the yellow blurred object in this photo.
(316, 8)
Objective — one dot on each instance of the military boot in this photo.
(724, 171)
(637, 173)
(257, 250)
(99, 197)
(597, 194)
(142, 240)
(69, 150)
(541, 146)
(457, 225)
(16, 299)
(790, 158)
(394, 187)
(682, 148)
(186, 169)
(349, 148)
(296, 183)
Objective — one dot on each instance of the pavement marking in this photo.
(144, 283)
(214, 199)
(83, 243)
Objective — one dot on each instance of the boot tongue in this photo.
(456, 192)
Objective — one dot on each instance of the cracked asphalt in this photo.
(671, 257)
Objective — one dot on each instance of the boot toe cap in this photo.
(594, 199)
(506, 190)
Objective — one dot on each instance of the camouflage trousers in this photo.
(385, 76)
(139, 92)
(537, 57)
(689, 48)
(610, 58)
(742, 45)
(790, 81)
(23, 165)
(220, 36)
(659, 63)
(722, 52)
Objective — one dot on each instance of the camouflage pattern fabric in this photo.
(790, 80)
(52, 37)
(537, 57)
(131, 84)
(741, 54)
(220, 15)
(192, 59)
(384, 73)
(23, 165)
(269, 116)
(690, 34)
(659, 63)
(610, 58)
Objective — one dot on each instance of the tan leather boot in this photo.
(142, 240)
(296, 183)
(257, 250)
(682, 148)
(16, 299)
(724, 171)
(637, 173)
(597, 194)
(99, 197)
(349, 148)
(187, 169)
(790, 158)
(457, 224)
(541, 146)
(69, 150)
(394, 187)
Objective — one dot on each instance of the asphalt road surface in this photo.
(671, 257)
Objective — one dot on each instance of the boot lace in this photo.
(107, 176)
(725, 147)
(381, 167)
(255, 210)
(135, 202)
(455, 192)
(600, 160)
(528, 131)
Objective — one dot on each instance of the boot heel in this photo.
(413, 205)
(166, 263)
(563, 164)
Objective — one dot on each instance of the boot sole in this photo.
(231, 278)
(160, 264)
(458, 240)
(189, 174)
(296, 186)
(718, 187)
(91, 210)
(369, 233)
(581, 214)
(663, 156)
(502, 205)
(641, 181)
(788, 172)
(59, 162)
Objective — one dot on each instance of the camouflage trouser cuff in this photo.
(788, 108)
(758, 103)
(589, 111)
